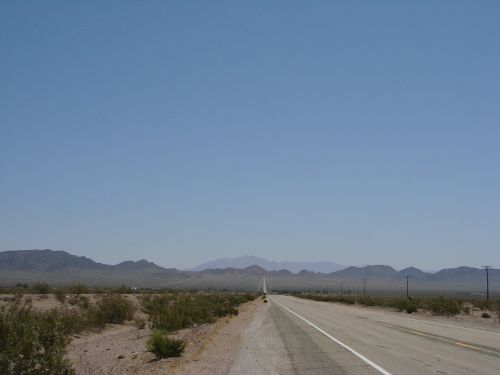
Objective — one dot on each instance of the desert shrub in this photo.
(60, 295)
(18, 296)
(123, 289)
(32, 342)
(367, 301)
(400, 304)
(78, 289)
(83, 302)
(442, 306)
(411, 308)
(78, 300)
(111, 309)
(172, 312)
(164, 347)
(140, 323)
(75, 320)
(478, 303)
(41, 288)
(485, 315)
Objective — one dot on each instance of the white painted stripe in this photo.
(414, 319)
(359, 355)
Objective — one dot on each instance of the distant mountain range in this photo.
(269, 265)
(62, 268)
(57, 261)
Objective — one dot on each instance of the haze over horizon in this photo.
(185, 132)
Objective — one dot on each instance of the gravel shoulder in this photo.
(263, 350)
(224, 346)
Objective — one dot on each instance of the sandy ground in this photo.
(40, 301)
(121, 349)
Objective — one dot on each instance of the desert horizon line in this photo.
(200, 268)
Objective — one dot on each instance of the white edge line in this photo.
(359, 355)
(430, 322)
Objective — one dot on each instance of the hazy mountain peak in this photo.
(269, 265)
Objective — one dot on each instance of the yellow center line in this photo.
(418, 333)
(433, 336)
(467, 345)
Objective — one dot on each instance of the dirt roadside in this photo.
(121, 349)
(222, 348)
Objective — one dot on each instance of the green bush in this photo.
(75, 320)
(172, 312)
(77, 289)
(111, 309)
(367, 301)
(60, 295)
(411, 308)
(164, 347)
(41, 288)
(32, 342)
(442, 306)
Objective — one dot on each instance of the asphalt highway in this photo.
(329, 338)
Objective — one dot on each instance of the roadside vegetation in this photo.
(171, 312)
(165, 347)
(34, 341)
(437, 305)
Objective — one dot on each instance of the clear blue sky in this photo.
(359, 132)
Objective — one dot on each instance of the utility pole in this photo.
(364, 287)
(407, 293)
(341, 289)
(487, 285)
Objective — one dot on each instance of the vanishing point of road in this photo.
(329, 338)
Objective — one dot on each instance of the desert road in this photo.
(328, 338)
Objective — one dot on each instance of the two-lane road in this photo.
(327, 338)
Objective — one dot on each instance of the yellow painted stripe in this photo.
(467, 346)
(418, 333)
